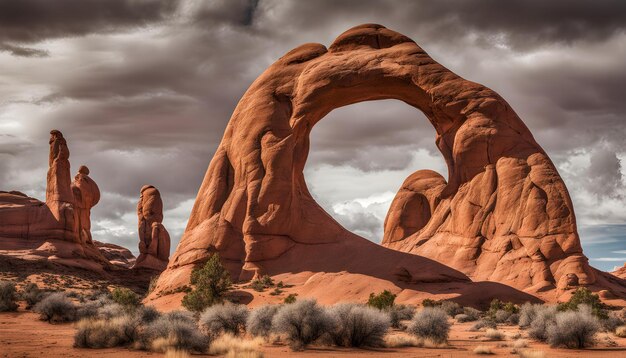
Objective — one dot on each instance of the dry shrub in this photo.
(483, 350)
(520, 343)
(398, 313)
(431, 323)
(229, 344)
(246, 354)
(56, 307)
(174, 330)
(471, 313)
(224, 318)
(483, 324)
(302, 322)
(542, 318)
(8, 296)
(358, 326)
(620, 331)
(574, 329)
(494, 334)
(259, 322)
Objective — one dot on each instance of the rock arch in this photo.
(503, 195)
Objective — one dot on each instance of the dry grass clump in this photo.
(402, 341)
(358, 326)
(174, 353)
(620, 331)
(237, 346)
(100, 333)
(531, 354)
(483, 350)
(431, 323)
(520, 343)
(494, 334)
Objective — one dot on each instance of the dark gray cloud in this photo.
(144, 89)
(36, 20)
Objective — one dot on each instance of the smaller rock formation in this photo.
(86, 196)
(117, 255)
(59, 228)
(154, 240)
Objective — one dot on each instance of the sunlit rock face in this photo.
(503, 214)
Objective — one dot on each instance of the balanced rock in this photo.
(255, 210)
(154, 240)
(58, 229)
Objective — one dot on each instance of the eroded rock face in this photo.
(117, 255)
(154, 240)
(60, 227)
(504, 214)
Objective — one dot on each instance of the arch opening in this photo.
(359, 156)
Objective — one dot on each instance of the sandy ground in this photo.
(23, 335)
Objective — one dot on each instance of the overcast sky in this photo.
(142, 90)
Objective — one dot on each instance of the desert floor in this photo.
(23, 335)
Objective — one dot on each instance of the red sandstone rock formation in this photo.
(154, 240)
(117, 255)
(86, 196)
(58, 229)
(254, 207)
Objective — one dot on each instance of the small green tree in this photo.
(211, 282)
(125, 297)
(382, 300)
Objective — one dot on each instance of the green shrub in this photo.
(430, 303)
(211, 283)
(583, 296)
(291, 298)
(382, 300)
(125, 297)
(8, 296)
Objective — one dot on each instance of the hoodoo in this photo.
(504, 213)
(154, 240)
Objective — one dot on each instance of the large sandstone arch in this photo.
(504, 213)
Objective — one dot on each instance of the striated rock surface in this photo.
(154, 240)
(254, 207)
(58, 229)
(117, 255)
